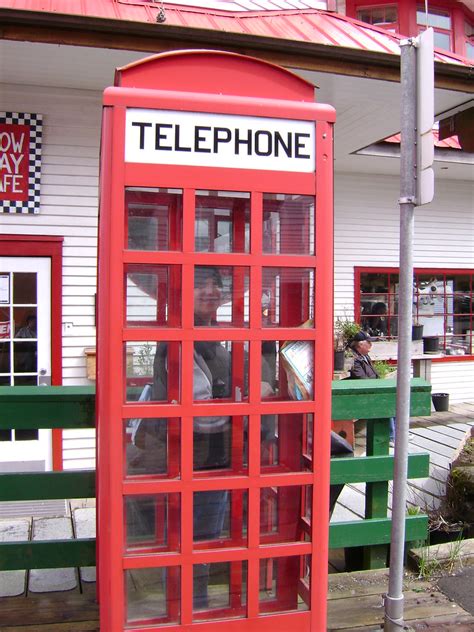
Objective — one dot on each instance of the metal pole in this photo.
(394, 600)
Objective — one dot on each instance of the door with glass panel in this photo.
(25, 352)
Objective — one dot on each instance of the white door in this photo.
(25, 352)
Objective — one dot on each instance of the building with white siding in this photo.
(56, 64)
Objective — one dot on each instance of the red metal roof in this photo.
(303, 25)
(448, 143)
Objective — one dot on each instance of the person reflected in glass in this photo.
(26, 352)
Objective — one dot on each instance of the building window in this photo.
(441, 23)
(443, 301)
(469, 35)
(384, 16)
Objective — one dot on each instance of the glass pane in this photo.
(155, 364)
(374, 318)
(287, 296)
(152, 522)
(25, 322)
(4, 357)
(25, 380)
(374, 282)
(25, 357)
(469, 50)
(220, 586)
(152, 595)
(152, 447)
(24, 288)
(282, 443)
(280, 512)
(294, 367)
(26, 435)
(5, 435)
(220, 518)
(430, 303)
(279, 583)
(5, 325)
(288, 224)
(220, 372)
(442, 40)
(154, 219)
(222, 221)
(153, 295)
(221, 296)
(227, 448)
(436, 19)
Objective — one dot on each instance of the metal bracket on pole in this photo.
(406, 200)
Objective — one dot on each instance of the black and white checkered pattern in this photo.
(35, 122)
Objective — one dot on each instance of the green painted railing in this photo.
(27, 407)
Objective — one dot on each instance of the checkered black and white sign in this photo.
(20, 162)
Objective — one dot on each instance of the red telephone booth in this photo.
(214, 347)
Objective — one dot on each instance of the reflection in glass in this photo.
(279, 582)
(152, 447)
(280, 511)
(152, 595)
(220, 372)
(220, 517)
(217, 450)
(153, 295)
(154, 219)
(156, 364)
(288, 224)
(288, 296)
(220, 586)
(25, 357)
(221, 296)
(222, 221)
(24, 288)
(282, 442)
(152, 522)
(289, 366)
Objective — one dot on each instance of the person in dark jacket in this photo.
(362, 367)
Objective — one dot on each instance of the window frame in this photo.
(440, 273)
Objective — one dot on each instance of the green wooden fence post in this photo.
(376, 494)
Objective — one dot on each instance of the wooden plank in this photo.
(56, 554)
(47, 485)
(375, 531)
(375, 468)
(432, 434)
(48, 609)
(374, 399)
(25, 407)
(361, 611)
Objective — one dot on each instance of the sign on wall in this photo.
(219, 140)
(20, 162)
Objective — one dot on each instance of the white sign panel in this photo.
(219, 140)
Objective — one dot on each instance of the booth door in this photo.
(25, 352)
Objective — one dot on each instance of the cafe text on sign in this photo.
(14, 156)
(20, 162)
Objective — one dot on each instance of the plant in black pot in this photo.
(344, 332)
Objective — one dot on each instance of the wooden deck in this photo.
(42, 600)
(441, 435)
(354, 604)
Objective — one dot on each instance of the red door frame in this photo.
(271, 92)
(52, 247)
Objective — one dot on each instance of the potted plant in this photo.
(344, 332)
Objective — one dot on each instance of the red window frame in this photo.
(440, 274)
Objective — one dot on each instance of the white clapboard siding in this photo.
(367, 234)
(69, 208)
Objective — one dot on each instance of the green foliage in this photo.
(344, 331)
(383, 368)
